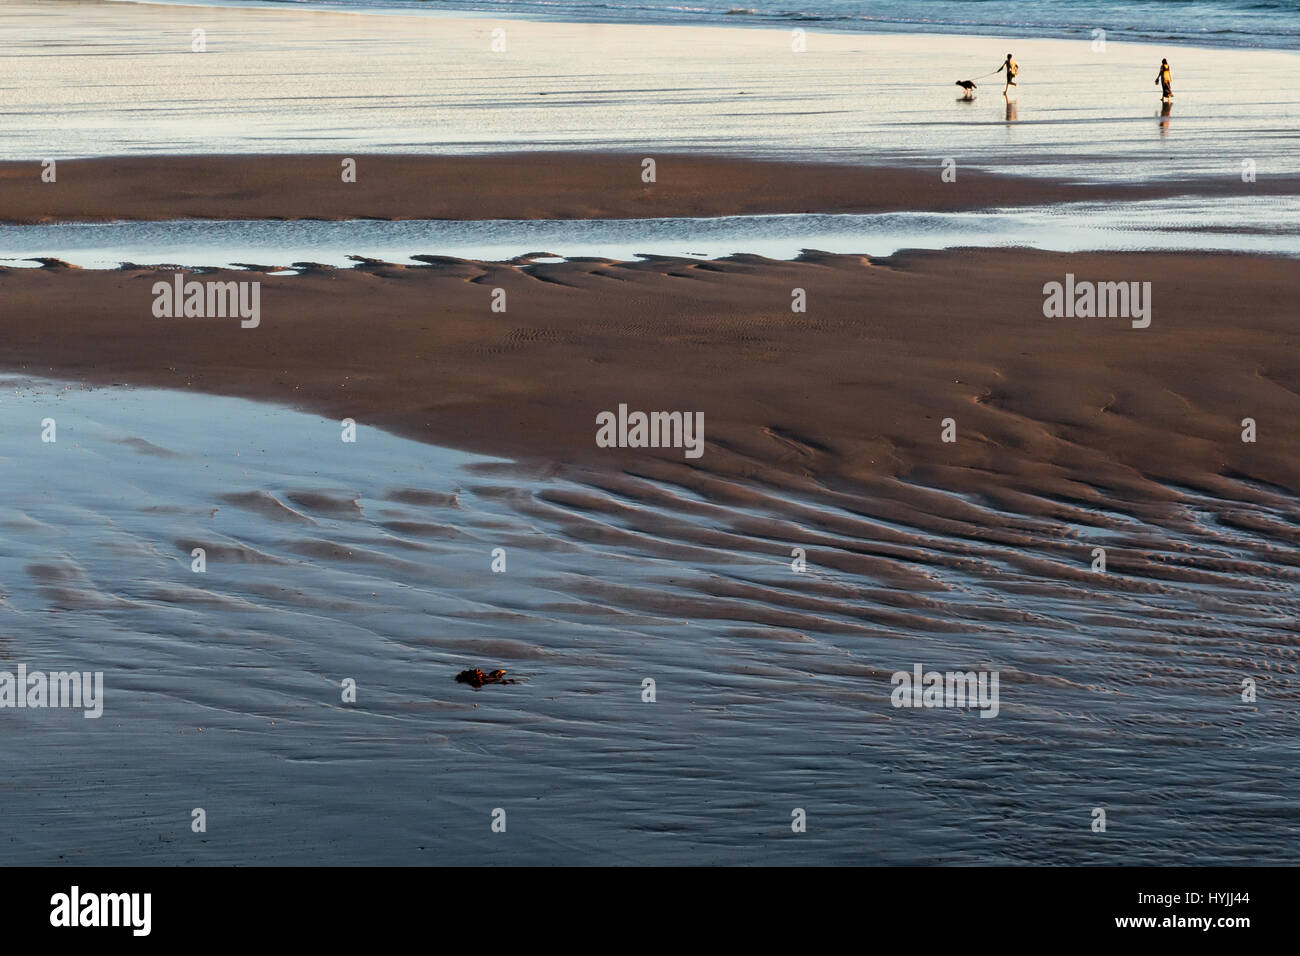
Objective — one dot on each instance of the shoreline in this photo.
(503, 402)
(850, 98)
(531, 185)
(370, 560)
(815, 27)
(848, 394)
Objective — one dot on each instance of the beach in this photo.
(913, 453)
(123, 80)
(522, 186)
(369, 562)
(853, 388)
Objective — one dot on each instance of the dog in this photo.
(967, 85)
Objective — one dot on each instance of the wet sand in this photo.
(852, 390)
(823, 430)
(515, 186)
(372, 561)
(555, 185)
(101, 79)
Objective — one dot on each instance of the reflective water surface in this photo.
(372, 560)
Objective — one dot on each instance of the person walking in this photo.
(1013, 70)
(1166, 80)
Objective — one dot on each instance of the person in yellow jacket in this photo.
(1013, 69)
(1166, 80)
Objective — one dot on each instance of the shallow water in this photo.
(329, 560)
(1261, 225)
(1250, 23)
(112, 79)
